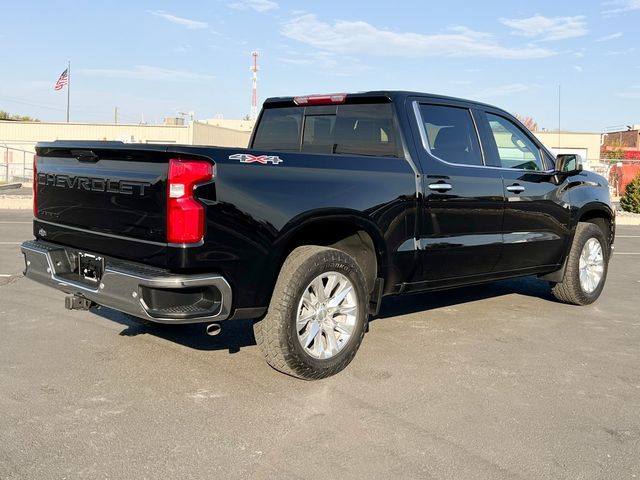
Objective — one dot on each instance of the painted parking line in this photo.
(4, 275)
(18, 223)
(627, 236)
(10, 243)
(625, 253)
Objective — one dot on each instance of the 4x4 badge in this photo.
(263, 159)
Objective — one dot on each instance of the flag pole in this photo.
(68, 86)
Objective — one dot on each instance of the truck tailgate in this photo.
(90, 192)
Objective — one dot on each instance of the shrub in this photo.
(630, 201)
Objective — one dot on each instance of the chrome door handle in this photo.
(440, 187)
(515, 188)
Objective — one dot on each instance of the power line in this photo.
(12, 100)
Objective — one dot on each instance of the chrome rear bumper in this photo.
(139, 290)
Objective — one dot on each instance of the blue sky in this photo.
(153, 59)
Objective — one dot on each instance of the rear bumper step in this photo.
(146, 292)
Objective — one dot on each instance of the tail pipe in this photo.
(213, 329)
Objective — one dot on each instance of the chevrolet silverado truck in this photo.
(339, 201)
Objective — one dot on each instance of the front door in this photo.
(536, 220)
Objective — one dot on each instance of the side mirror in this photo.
(568, 163)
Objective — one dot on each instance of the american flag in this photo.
(62, 81)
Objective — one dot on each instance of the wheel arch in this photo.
(599, 214)
(349, 231)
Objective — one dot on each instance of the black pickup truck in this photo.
(340, 200)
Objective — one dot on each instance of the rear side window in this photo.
(279, 129)
(342, 130)
(366, 130)
(451, 134)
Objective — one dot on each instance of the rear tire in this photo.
(587, 265)
(317, 315)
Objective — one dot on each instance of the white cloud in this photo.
(620, 6)
(578, 68)
(330, 63)
(547, 28)
(606, 38)
(617, 53)
(257, 5)
(358, 37)
(502, 90)
(322, 59)
(185, 22)
(145, 72)
(629, 95)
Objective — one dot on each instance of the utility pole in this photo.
(115, 115)
(254, 86)
(68, 87)
(559, 110)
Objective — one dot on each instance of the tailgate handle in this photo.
(85, 155)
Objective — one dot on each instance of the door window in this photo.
(515, 148)
(451, 134)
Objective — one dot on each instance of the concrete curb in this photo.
(628, 220)
(10, 186)
(16, 202)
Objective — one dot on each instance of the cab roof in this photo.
(375, 96)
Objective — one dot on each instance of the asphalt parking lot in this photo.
(489, 382)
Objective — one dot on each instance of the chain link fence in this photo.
(16, 165)
(618, 172)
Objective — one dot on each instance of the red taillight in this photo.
(185, 216)
(35, 188)
(331, 98)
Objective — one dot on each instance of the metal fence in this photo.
(16, 165)
(599, 166)
(621, 173)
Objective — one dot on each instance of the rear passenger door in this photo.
(461, 233)
(536, 221)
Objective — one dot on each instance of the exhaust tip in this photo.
(213, 329)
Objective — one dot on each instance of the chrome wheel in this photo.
(591, 265)
(327, 315)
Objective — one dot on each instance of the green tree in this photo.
(613, 151)
(630, 201)
(18, 118)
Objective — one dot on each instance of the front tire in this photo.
(587, 265)
(317, 315)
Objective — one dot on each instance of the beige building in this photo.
(18, 139)
(586, 144)
(242, 125)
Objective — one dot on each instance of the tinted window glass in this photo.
(279, 129)
(318, 133)
(353, 129)
(515, 148)
(451, 134)
(366, 130)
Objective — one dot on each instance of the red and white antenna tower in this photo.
(254, 86)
